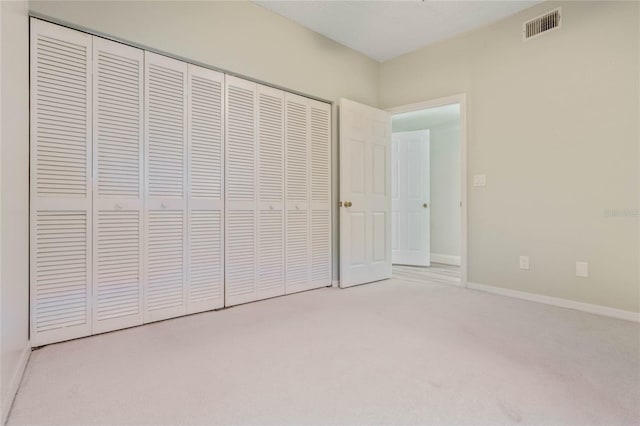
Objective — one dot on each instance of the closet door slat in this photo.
(206, 191)
(61, 216)
(165, 188)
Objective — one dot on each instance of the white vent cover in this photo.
(541, 24)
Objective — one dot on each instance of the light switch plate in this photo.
(479, 180)
(524, 262)
(582, 269)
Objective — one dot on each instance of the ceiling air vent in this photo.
(541, 24)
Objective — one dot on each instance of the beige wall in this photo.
(14, 214)
(553, 123)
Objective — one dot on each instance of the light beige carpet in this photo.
(401, 351)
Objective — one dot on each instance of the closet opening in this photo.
(160, 188)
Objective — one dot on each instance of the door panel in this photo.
(240, 257)
(165, 263)
(358, 239)
(205, 272)
(206, 290)
(365, 191)
(298, 249)
(166, 187)
(118, 72)
(357, 167)
(271, 230)
(271, 254)
(241, 195)
(61, 184)
(379, 237)
(378, 170)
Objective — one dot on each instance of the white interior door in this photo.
(410, 196)
(365, 193)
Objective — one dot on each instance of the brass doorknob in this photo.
(348, 203)
(425, 205)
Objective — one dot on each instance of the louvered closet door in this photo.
(117, 194)
(60, 183)
(271, 193)
(320, 134)
(240, 192)
(298, 256)
(206, 204)
(166, 189)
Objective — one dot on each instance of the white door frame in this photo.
(460, 99)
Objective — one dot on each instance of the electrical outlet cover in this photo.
(479, 180)
(582, 269)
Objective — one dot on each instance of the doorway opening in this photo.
(428, 191)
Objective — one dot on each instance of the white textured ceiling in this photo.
(383, 30)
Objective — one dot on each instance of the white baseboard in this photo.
(445, 259)
(556, 301)
(14, 384)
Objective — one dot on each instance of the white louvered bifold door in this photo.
(298, 256)
(60, 183)
(240, 192)
(320, 133)
(206, 197)
(166, 187)
(118, 185)
(270, 279)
